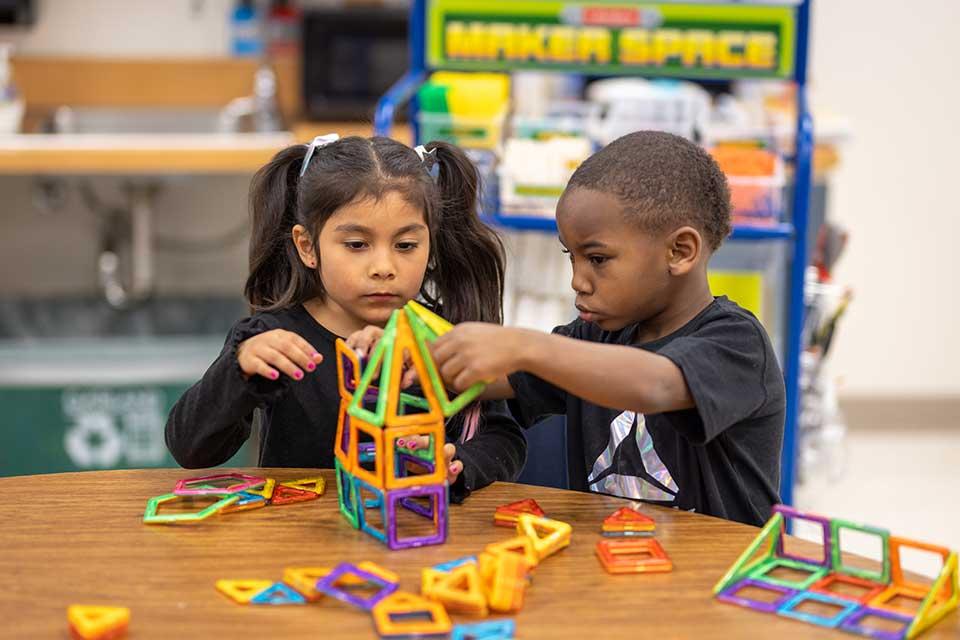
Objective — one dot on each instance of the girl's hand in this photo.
(269, 353)
(474, 352)
(363, 343)
(454, 467)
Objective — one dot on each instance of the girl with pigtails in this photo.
(345, 231)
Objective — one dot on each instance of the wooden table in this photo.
(78, 538)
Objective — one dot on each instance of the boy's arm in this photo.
(616, 376)
(498, 389)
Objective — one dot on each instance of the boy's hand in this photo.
(454, 467)
(363, 343)
(269, 353)
(474, 352)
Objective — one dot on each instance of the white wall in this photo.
(135, 28)
(891, 68)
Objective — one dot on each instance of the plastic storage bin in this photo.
(758, 200)
(466, 132)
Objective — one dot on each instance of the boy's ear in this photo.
(684, 248)
(304, 244)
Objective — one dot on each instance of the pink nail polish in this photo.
(298, 375)
(274, 375)
(311, 366)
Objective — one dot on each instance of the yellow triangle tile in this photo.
(934, 608)
(461, 591)
(92, 620)
(437, 324)
(266, 491)
(557, 534)
(521, 545)
(242, 591)
(428, 578)
(317, 485)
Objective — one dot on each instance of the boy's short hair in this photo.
(664, 181)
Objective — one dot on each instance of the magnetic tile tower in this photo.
(389, 445)
(883, 603)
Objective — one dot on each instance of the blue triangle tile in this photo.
(492, 630)
(279, 593)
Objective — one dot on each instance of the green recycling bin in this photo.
(78, 405)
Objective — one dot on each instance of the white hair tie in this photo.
(319, 141)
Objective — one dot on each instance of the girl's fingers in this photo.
(454, 469)
(449, 452)
(308, 350)
(409, 377)
(414, 442)
(298, 350)
(364, 340)
(264, 370)
(281, 362)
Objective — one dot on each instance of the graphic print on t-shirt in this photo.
(630, 467)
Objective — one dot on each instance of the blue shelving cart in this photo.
(748, 39)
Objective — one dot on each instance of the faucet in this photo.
(125, 264)
(261, 106)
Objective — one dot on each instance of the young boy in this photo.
(671, 395)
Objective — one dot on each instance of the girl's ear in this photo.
(305, 247)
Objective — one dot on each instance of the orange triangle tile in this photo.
(521, 506)
(288, 495)
(627, 519)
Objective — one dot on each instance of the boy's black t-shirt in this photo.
(298, 419)
(721, 458)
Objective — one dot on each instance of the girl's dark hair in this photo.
(464, 278)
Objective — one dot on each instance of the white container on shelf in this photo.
(11, 102)
(534, 173)
(570, 118)
(632, 104)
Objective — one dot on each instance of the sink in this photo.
(153, 120)
(85, 120)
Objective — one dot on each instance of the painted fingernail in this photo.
(400, 442)
(311, 366)
(298, 374)
(274, 375)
